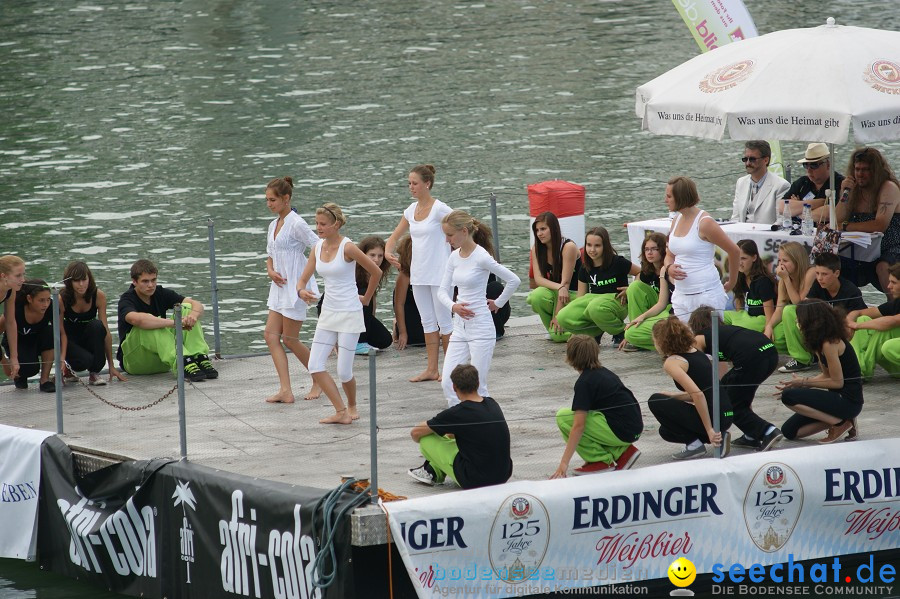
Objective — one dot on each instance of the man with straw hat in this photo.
(811, 187)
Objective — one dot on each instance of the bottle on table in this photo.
(786, 221)
(807, 227)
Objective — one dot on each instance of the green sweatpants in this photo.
(740, 318)
(593, 314)
(440, 453)
(543, 301)
(877, 347)
(793, 338)
(598, 443)
(641, 297)
(151, 351)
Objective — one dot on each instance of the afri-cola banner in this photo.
(160, 528)
(20, 477)
(748, 511)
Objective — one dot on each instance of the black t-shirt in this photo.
(483, 440)
(602, 391)
(848, 296)
(700, 371)
(803, 186)
(606, 280)
(161, 301)
(852, 389)
(742, 347)
(762, 289)
(891, 308)
(573, 282)
(651, 279)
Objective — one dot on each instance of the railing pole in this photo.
(54, 296)
(715, 378)
(217, 344)
(494, 226)
(179, 372)
(373, 430)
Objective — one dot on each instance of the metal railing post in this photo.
(179, 368)
(214, 284)
(494, 226)
(373, 430)
(57, 361)
(715, 379)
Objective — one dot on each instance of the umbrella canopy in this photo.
(797, 84)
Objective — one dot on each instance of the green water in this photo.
(126, 126)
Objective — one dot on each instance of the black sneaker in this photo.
(21, 382)
(617, 339)
(192, 371)
(794, 366)
(770, 440)
(745, 442)
(47, 387)
(425, 474)
(206, 366)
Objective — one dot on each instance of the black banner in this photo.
(161, 528)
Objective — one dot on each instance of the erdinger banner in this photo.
(20, 474)
(160, 528)
(626, 527)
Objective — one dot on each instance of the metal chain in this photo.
(127, 408)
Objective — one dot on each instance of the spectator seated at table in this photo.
(811, 187)
(756, 194)
(830, 287)
(870, 202)
(876, 331)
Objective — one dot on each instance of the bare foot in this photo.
(354, 413)
(426, 376)
(281, 397)
(314, 393)
(341, 417)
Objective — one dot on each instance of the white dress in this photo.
(288, 254)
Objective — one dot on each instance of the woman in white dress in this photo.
(430, 251)
(468, 269)
(286, 243)
(334, 258)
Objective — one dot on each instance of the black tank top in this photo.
(8, 293)
(852, 389)
(74, 317)
(700, 371)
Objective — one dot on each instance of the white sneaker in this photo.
(95, 380)
(422, 474)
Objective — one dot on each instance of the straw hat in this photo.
(815, 152)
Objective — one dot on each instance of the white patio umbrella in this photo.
(793, 85)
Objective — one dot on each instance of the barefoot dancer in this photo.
(286, 242)
(334, 258)
(430, 252)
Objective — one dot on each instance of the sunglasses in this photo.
(811, 166)
(746, 159)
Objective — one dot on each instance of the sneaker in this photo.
(95, 380)
(726, 444)
(690, 454)
(424, 474)
(745, 442)
(192, 371)
(206, 366)
(70, 377)
(21, 382)
(853, 433)
(628, 458)
(47, 387)
(362, 349)
(770, 440)
(593, 468)
(617, 339)
(794, 366)
(630, 348)
(836, 432)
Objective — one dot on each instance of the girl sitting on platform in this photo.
(834, 398)
(34, 338)
(376, 334)
(602, 281)
(793, 285)
(554, 263)
(12, 276)
(754, 290)
(687, 417)
(85, 342)
(647, 301)
(407, 322)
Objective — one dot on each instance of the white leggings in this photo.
(684, 305)
(471, 343)
(433, 313)
(322, 343)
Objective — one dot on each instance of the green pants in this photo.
(740, 318)
(543, 301)
(440, 453)
(793, 338)
(151, 351)
(641, 297)
(877, 347)
(597, 443)
(593, 314)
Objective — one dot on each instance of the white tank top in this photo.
(340, 280)
(696, 257)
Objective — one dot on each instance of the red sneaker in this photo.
(628, 458)
(593, 468)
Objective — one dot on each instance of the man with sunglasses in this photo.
(811, 187)
(756, 194)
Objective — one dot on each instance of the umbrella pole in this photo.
(832, 218)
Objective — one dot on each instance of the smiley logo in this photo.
(682, 572)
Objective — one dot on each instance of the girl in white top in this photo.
(429, 259)
(287, 240)
(690, 257)
(341, 320)
(468, 269)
